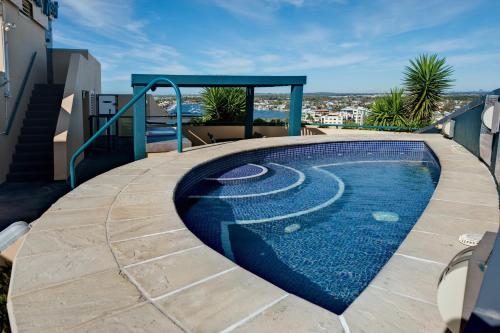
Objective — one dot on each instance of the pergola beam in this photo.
(221, 80)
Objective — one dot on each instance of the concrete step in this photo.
(34, 147)
(37, 114)
(40, 122)
(38, 129)
(54, 107)
(41, 165)
(35, 138)
(29, 156)
(46, 99)
(49, 88)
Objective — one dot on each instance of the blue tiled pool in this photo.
(321, 221)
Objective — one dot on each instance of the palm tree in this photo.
(221, 103)
(388, 110)
(426, 80)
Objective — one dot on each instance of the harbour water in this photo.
(197, 109)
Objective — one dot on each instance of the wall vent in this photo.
(27, 8)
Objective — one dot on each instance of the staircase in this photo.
(33, 159)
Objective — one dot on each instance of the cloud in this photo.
(473, 58)
(111, 32)
(317, 61)
(228, 62)
(387, 17)
(439, 46)
(349, 45)
(264, 10)
(468, 41)
(313, 34)
(109, 18)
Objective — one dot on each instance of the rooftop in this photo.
(114, 254)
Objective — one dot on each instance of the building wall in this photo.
(81, 72)
(152, 110)
(26, 38)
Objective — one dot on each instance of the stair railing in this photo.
(127, 106)
(9, 121)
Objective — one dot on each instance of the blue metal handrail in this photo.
(20, 93)
(113, 119)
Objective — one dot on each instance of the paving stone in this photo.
(462, 210)
(136, 250)
(130, 171)
(112, 179)
(145, 198)
(144, 318)
(60, 240)
(141, 211)
(44, 270)
(70, 218)
(290, 315)
(430, 246)
(125, 229)
(410, 277)
(82, 203)
(466, 196)
(58, 308)
(171, 273)
(219, 303)
(92, 190)
(453, 226)
(382, 311)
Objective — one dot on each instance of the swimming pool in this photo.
(317, 220)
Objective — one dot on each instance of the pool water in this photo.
(318, 221)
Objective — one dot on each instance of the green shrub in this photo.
(388, 110)
(4, 288)
(224, 104)
(426, 80)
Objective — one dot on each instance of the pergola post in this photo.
(249, 112)
(294, 119)
(139, 125)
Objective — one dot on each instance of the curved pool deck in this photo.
(113, 255)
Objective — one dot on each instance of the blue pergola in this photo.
(141, 81)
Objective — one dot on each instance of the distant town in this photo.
(326, 108)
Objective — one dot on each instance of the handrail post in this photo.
(178, 99)
(139, 121)
(294, 121)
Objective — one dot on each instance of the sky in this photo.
(343, 46)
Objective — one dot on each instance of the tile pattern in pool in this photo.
(322, 221)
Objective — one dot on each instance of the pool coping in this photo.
(114, 253)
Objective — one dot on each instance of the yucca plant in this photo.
(222, 103)
(426, 79)
(388, 110)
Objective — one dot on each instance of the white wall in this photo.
(82, 72)
(26, 38)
